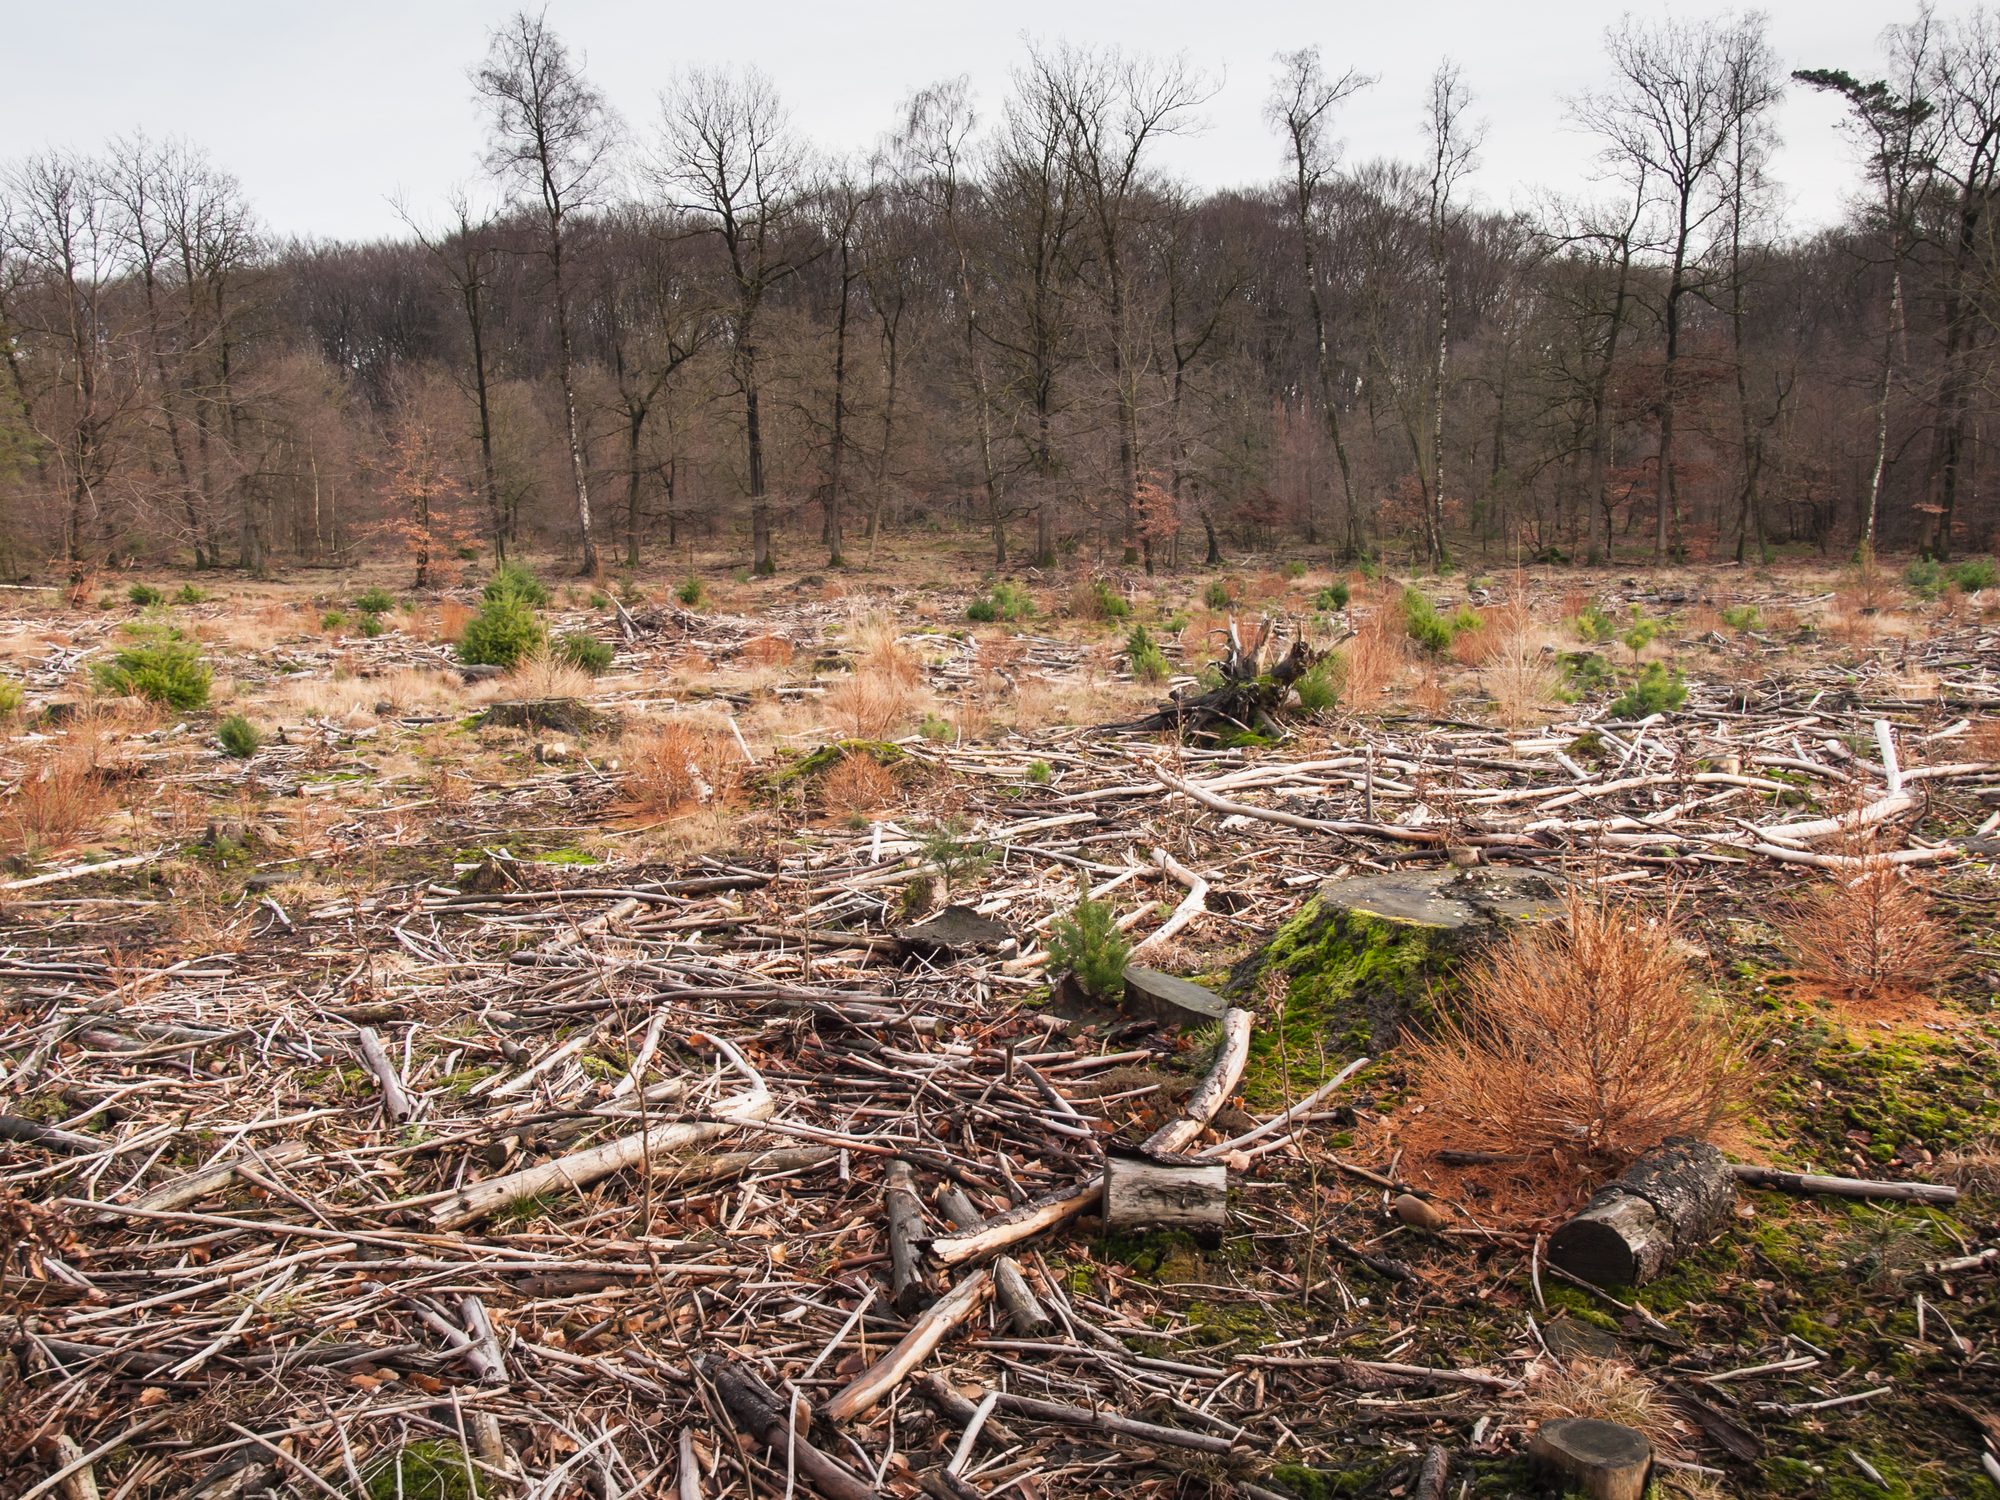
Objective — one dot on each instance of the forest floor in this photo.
(269, 1021)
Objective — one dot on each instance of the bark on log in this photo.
(1605, 1460)
(1664, 1206)
(1140, 1194)
(908, 1288)
(760, 1412)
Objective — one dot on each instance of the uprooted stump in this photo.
(1360, 959)
(562, 715)
(1241, 695)
(1664, 1206)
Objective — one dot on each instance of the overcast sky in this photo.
(327, 112)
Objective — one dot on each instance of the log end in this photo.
(1605, 1460)
(1597, 1251)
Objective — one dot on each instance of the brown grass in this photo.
(1580, 1044)
(62, 795)
(878, 652)
(857, 785)
(684, 764)
(1871, 936)
(871, 704)
(541, 676)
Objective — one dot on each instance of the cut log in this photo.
(1603, 1459)
(1185, 1195)
(1663, 1207)
(908, 1290)
(1363, 953)
(1171, 1001)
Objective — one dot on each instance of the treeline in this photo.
(694, 329)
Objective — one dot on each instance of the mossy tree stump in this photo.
(1363, 957)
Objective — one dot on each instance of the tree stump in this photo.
(1143, 1193)
(1605, 1460)
(1664, 1206)
(1360, 958)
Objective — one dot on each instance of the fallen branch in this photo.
(1843, 1187)
(926, 1333)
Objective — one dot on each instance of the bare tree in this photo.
(1114, 109)
(1301, 105)
(727, 156)
(1667, 122)
(551, 136)
(1454, 150)
(1754, 88)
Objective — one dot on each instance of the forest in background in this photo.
(637, 335)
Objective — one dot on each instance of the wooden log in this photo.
(1605, 1460)
(194, 1186)
(19, 1128)
(1025, 1313)
(908, 1288)
(1664, 1206)
(1844, 1187)
(926, 1333)
(1212, 1092)
(395, 1101)
(1141, 1194)
(761, 1412)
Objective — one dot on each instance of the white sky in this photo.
(327, 111)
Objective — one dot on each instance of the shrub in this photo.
(1425, 625)
(581, 649)
(189, 594)
(333, 619)
(857, 784)
(61, 795)
(516, 581)
(955, 854)
(1656, 690)
(10, 697)
(1925, 577)
(1580, 1043)
(375, 601)
(239, 737)
(1006, 601)
(1218, 594)
(1295, 569)
(1039, 772)
(683, 765)
(1087, 945)
(1742, 617)
(169, 671)
(936, 728)
(505, 630)
(371, 626)
(690, 591)
(1148, 662)
(982, 610)
(1334, 596)
(1871, 935)
(1587, 672)
(1974, 574)
(1319, 689)
(1591, 623)
(144, 595)
(1094, 599)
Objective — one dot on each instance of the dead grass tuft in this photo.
(870, 704)
(1522, 678)
(1580, 1044)
(685, 764)
(541, 676)
(452, 618)
(1375, 657)
(1605, 1390)
(857, 786)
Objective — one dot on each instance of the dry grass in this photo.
(1605, 1390)
(1429, 693)
(879, 652)
(359, 697)
(1871, 936)
(1580, 1044)
(62, 795)
(857, 786)
(541, 676)
(1523, 679)
(685, 764)
(452, 618)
